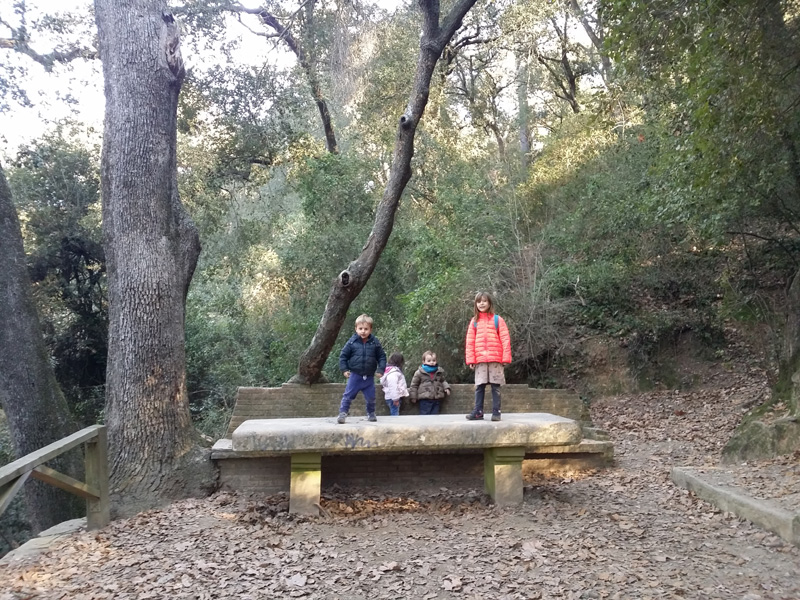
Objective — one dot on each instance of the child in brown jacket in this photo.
(428, 385)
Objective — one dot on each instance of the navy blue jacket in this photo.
(362, 358)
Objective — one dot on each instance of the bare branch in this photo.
(595, 36)
(48, 61)
(253, 31)
(19, 42)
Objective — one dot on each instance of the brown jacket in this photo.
(428, 386)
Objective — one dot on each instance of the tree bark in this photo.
(346, 287)
(35, 407)
(151, 250)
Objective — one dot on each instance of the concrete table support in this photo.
(502, 473)
(304, 491)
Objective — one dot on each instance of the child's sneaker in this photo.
(341, 418)
(372, 417)
(495, 416)
(475, 416)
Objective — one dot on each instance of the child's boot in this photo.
(341, 418)
(372, 417)
(495, 402)
(477, 412)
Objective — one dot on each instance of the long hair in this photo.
(488, 298)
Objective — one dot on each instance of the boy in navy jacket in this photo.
(361, 357)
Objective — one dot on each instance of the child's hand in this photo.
(396, 402)
(346, 374)
(447, 392)
(471, 366)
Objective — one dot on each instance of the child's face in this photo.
(482, 305)
(363, 330)
(430, 360)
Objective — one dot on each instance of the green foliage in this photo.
(720, 82)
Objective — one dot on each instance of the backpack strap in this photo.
(496, 324)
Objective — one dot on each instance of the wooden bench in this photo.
(414, 468)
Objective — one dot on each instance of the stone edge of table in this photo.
(398, 434)
(223, 449)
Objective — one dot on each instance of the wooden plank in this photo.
(12, 488)
(34, 459)
(64, 482)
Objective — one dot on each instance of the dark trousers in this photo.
(480, 392)
(429, 407)
(359, 383)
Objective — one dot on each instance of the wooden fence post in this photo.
(98, 512)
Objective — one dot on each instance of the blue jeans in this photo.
(393, 410)
(429, 407)
(359, 383)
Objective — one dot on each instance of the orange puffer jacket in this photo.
(486, 344)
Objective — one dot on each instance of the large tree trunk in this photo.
(346, 287)
(35, 407)
(151, 251)
(791, 352)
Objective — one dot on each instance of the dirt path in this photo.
(625, 533)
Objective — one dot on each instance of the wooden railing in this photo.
(95, 490)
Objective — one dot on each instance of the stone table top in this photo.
(404, 433)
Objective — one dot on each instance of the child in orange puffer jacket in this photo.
(488, 348)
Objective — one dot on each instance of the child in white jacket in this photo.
(394, 383)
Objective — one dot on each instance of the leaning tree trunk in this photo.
(151, 250)
(346, 287)
(35, 407)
